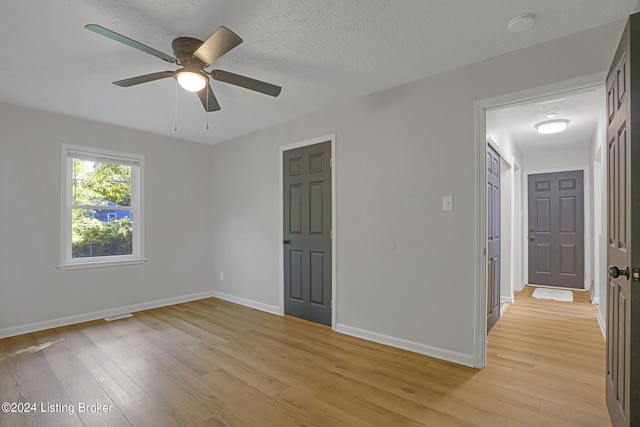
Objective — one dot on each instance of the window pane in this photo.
(100, 232)
(100, 184)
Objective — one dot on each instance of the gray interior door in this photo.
(493, 237)
(556, 229)
(623, 288)
(307, 232)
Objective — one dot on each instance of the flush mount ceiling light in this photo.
(552, 126)
(522, 23)
(191, 81)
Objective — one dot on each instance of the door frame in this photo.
(480, 135)
(501, 254)
(334, 295)
(511, 208)
(512, 176)
(588, 221)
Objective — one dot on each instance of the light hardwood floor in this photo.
(214, 363)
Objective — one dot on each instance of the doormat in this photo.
(554, 294)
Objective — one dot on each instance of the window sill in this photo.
(98, 264)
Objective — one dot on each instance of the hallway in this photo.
(554, 354)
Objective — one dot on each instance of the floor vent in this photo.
(118, 316)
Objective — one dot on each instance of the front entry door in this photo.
(493, 237)
(623, 288)
(556, 229)
(307, 232)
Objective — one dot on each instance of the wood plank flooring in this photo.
(214, 363)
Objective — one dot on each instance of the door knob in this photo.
(285, 241)
(615, 272)
(531, 238)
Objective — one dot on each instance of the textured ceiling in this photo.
(322, 52)
(582, 109)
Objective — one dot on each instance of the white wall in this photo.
(598, 156)
(33, 291)
(502, 140)
(398, 153)
(541, 161)
(506, 232)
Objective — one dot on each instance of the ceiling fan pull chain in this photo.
(175, 121)
(206, 110)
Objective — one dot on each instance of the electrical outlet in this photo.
(221, 276)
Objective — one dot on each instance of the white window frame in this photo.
(136, 161)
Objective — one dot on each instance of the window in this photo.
(102, 220)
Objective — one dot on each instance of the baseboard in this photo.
(247, 302)
(603, 325)
(427, 350)
(86, 317)
(533, 285)
(507, 300)
(504, 307)
(595, 300)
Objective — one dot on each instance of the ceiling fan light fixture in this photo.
(552, 126)
(191, 81)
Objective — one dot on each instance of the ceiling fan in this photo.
(193, 56)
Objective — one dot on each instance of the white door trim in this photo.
(480, 108)
(508, 160)
(332, 138)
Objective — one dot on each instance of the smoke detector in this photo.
(522, 23)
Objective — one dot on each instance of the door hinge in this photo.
(331, 233)
(330, 162)
(331, 303)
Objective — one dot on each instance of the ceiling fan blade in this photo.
(221, 42)
(208, 99)
(129, 42)
(246, 82)
(144, 79)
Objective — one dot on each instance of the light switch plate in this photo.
(447, 203)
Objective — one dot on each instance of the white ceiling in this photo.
(581, 108)
(322, 52)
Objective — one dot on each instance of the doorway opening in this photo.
(556, 231)
(508, 125)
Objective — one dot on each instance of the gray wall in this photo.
(398, 152)
(178, 221)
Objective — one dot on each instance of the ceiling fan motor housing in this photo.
(183, 49)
